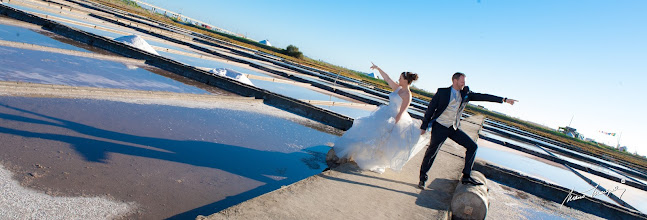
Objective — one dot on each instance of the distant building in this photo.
(623, 148)
(266, 42)
(571, 132)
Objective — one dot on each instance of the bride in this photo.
(387, 138)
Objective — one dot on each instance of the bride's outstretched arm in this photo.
(385, 76)
(403, 109)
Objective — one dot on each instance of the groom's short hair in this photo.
(457, 75)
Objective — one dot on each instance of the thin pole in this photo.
(620, 136)
(569, 124)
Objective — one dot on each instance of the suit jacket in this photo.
(440, 101)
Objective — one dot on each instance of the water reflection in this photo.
(51, 68)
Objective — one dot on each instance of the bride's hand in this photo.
(374, 66)
(422, 132)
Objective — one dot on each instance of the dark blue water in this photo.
(24, 35)
(59, 69)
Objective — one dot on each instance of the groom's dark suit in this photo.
(440, 133)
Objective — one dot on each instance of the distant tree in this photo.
(293, 51)
(131, 3)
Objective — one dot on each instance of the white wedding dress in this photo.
(376, 142)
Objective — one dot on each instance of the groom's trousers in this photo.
(439, 134)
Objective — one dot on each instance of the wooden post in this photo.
(469, 201)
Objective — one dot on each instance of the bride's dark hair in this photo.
(410, 77)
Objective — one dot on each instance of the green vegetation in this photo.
(130, 3)
(596, 149)
(293, 51)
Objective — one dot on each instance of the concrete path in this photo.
(348, 193)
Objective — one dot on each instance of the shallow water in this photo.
(537, 149)
(531, 166)
(24, 35)
(540, 140)
(52, 68)
(174, 161)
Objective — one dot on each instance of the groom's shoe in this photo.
(421, 184)
(470, 180)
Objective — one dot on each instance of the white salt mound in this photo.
(240, 77)
(138, 42)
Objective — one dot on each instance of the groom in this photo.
(443, 115)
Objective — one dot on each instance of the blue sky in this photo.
(560, 58)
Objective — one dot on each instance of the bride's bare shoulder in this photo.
(405, 93)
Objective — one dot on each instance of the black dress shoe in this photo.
(421, 185)
(470, 180)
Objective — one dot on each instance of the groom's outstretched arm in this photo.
(489, 98)
(431, 108)
(485, 97)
